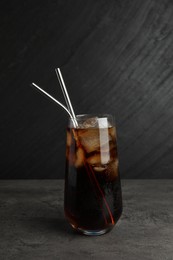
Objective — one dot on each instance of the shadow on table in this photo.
(54, 225)
(59, 225)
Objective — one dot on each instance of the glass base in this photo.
(91, 232)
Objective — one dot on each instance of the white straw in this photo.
(66, 96)
(52, 98)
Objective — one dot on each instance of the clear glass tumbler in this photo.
(92, 198)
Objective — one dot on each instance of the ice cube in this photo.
(107, 147)
(69, 138)
(80, 157)
(112, 170)
(100, 168)
(103, 157)
(103, 122)
(91, 139)
(89, 123)
(94, 159)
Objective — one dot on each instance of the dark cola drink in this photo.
(92, 201)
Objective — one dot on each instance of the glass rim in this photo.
(102, 120)
(89, 115)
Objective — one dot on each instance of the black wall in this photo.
(116, 57)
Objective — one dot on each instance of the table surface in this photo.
(32, 223)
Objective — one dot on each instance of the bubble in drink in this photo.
(92, 189)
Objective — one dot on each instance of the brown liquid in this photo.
(92, 188)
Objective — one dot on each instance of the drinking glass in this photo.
(92, 197)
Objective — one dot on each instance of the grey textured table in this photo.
(32, 224)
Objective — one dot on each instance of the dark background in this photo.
(116, 57)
